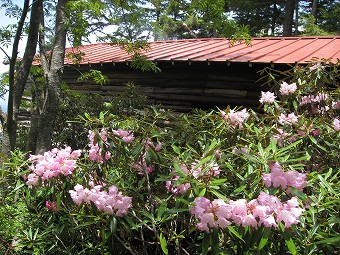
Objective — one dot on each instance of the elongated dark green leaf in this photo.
(205, 243)
(58, 201)
(113, 225)
(161, 209)
(235, 233)
(329, 240)
(289, 242)
(264, 238)
(219, 195)
(326, 184)
(215, 247)
(176, 149)
(291, 246)
(163, 244)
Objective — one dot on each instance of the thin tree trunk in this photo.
(17, 84)
(296, 30)
(9, 127)
(289, 17)
(314, 8)
(53, 77)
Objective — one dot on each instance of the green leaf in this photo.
(329, 240)
(58, 201)
(176, 149)
(215, 249)
(326, 184)
(163, 244)
(219, 195)
(205, 243)
(289, 242)
(161, 210)
(176, 210)
(264, 238)
(235, 233)
(113, 225)
(202, 192)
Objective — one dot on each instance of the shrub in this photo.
(229, 181)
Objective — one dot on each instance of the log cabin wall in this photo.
(180, 86)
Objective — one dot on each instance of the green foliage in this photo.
(310, 28)
(160, 221)
(95, 75)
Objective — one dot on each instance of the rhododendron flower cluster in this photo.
(52, 164)
(285, 180)
(313, 99)
(289, 119)
(286, 89)
(95, 151)
(316, 67)
(198, 173)
(110, 202)
(267, 97)
(127, 136)
(265, 211)
(235, 119)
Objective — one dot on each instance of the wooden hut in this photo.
(200, 73)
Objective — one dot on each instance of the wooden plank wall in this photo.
(180, 85)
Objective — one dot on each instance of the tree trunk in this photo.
(314, 8)
(52, 66)
(289, 17)
(296, 29)
(17, 84)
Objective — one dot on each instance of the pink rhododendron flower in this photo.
(52, 164)
(150, 144)
(176, 189)
(211, 214)
(235, 119)
(289, 119)
(95, 152)
(336, 105)
(313, 99)
(305, 131)
(316, 67)
(285, 180)
(112, 202)
(287, 89)
(336, 124)
(237, 150)
(52, 206)
(127, 136)
(266, 210)
(267, 97)
(32, 179)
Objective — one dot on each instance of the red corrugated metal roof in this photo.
(288, 50)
